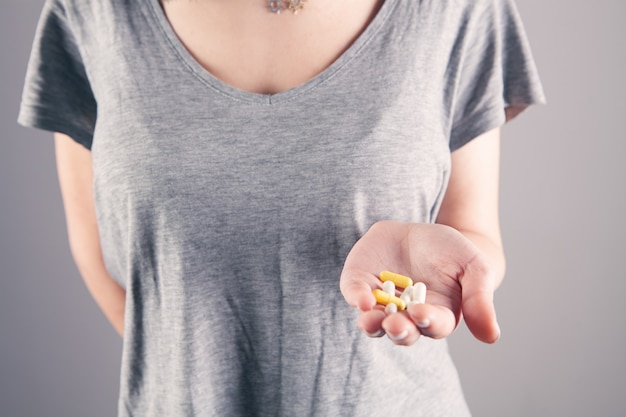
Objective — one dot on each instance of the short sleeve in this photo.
(494, 74)
(57, 95)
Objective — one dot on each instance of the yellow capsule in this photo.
(400, 280)
(384, 299)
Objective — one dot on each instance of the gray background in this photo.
(563, 205)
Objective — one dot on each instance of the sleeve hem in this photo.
(477, 124)
(36, 117)
(487, 119)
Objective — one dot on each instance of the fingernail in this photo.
(399, 337)
(377, 334)
(423, 324)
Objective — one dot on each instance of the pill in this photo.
(385, 299)
(389, 287)
(418, 293)
(391, 308)
(407, 295)
(399, 280)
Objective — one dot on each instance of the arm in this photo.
(471, 201)
(460, 258)
(75, 179)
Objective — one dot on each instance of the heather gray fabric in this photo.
(227, 215)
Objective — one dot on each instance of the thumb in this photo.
(478, 286)
(356, 287)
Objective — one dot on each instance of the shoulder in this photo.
(83, 10)
(459, 13)
(84, 21)
(469, 9)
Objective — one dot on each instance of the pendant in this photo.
(296, 5)
(276, 6)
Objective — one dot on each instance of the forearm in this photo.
(107, 293)
(470, 204)
(75, 179)
(87, 253)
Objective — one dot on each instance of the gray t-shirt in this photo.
(227, 215)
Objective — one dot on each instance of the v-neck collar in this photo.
(166, 30)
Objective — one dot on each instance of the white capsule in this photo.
(389, 287)
(391, 308)
(406, 295)
(418, 293)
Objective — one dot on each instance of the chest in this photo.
(364, 140)
(248, 47)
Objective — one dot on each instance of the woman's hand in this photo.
(460, 283)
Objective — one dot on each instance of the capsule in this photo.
(399, 280)
(384, 299)
(407, 295)
(391, 308)
(418, 295)
(389, 287)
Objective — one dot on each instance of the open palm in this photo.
(459, 282)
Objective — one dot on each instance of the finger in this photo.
(370, 323)
(356, 288)
(434, 321)
(400, 329)
(479, 312)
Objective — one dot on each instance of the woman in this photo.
(224, 167)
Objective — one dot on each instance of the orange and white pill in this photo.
(385, 299)
(399, 280)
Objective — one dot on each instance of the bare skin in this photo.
(247, 47)
(460, 259)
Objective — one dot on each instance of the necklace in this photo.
(276, 6)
